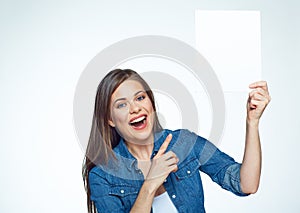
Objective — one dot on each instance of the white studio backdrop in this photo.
(45, 46)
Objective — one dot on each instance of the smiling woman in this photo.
(111, 106)
(132, 164)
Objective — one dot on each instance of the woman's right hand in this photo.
(162, 165)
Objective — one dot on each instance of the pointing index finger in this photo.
(164, 146)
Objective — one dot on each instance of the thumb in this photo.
(164, 146)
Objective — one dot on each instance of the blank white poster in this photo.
(231, 42)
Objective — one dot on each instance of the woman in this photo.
(133, 165)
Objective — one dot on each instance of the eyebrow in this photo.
(121, 99)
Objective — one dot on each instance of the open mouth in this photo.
(139, 122)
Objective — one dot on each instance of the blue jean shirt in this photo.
(115, 186)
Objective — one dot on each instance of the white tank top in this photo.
(163, 204)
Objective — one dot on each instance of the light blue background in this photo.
(44, 47)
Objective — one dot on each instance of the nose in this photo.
(134, 107)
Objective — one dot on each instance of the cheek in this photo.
(150, 110)
(148, 106)
(119, 117)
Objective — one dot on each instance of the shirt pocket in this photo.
(187, 168)
(123, 190)
(126, 193)
(188, 180)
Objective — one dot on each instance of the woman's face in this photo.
(132, 113)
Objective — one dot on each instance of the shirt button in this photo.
(122, 191)
(188, 171)
(173, 196)
(165, 180)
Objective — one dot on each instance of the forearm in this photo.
(144, 200)
(251, 166)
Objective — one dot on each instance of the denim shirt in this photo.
(115, 186)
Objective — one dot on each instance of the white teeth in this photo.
(138, 119)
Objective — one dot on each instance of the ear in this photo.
(111, 123)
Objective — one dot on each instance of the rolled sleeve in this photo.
(232, 181)
(221, 168)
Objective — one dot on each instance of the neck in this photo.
(141, 151)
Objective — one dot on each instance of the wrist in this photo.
(149, 187)
(252, 122)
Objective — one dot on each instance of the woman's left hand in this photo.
(258, 99)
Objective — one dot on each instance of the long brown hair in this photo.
(103, 138)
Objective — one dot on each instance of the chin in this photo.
(142, 137)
